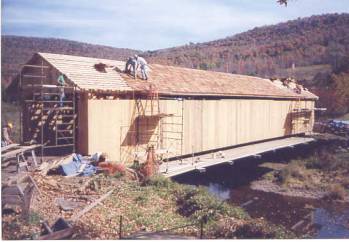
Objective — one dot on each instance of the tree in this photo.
(283, 2)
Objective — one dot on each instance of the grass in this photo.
(17, 228)
(326, 171)
(142, 207)
(326, 161)
(34, 218)
(159, 204)
(196, 203)
(295, 170)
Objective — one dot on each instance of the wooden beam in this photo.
(7, 147)
(92, 205)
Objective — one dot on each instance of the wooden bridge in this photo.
(199, 163)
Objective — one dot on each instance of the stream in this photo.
(317, 218)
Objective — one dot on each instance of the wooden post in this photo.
(201, 229)
(120, 227)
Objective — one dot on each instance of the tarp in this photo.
(77, 166)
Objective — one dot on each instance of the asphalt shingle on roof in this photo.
(168, 80)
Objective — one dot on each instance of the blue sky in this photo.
(151, 24)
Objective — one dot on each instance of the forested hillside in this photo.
(314, 50)
(16, 50)
(267, 51)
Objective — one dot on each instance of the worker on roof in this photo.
(6, 134)
(144, 66)
(130, 66)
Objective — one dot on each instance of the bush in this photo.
(198, 203)
(142, 198)
(294, 170)
(159, 182)
(34, 218)
(320, 160)
(249, 229)
(336, 192)
(324, 160)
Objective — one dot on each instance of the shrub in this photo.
(159, 182)
(142, 198)
(294, 170)
(198, 203)
(336, 192)
(248, 229)
(320, 160)
(34, 218)
(325, 160)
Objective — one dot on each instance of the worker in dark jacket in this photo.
(6, 134)
(130, 66)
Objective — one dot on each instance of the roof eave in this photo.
(235, 95)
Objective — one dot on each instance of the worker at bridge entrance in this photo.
(6, 134)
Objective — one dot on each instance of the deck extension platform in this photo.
(177, 167)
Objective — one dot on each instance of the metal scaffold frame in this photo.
(299, 117)
(147, 107)
(52, 122)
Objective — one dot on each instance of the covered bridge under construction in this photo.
(180, 111)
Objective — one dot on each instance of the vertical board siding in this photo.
(82, 124)
(207, 124)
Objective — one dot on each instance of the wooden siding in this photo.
(207, 124)
(82, 124)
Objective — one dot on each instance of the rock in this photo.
(66, 205)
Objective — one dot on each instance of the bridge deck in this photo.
(177, 167)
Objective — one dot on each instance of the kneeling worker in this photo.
(130, 66)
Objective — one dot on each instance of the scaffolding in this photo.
(153, 127)
(48, 110)
(300, 117)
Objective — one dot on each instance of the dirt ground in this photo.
(102, 222)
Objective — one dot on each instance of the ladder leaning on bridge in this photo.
(156, 126)
(300, 117)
